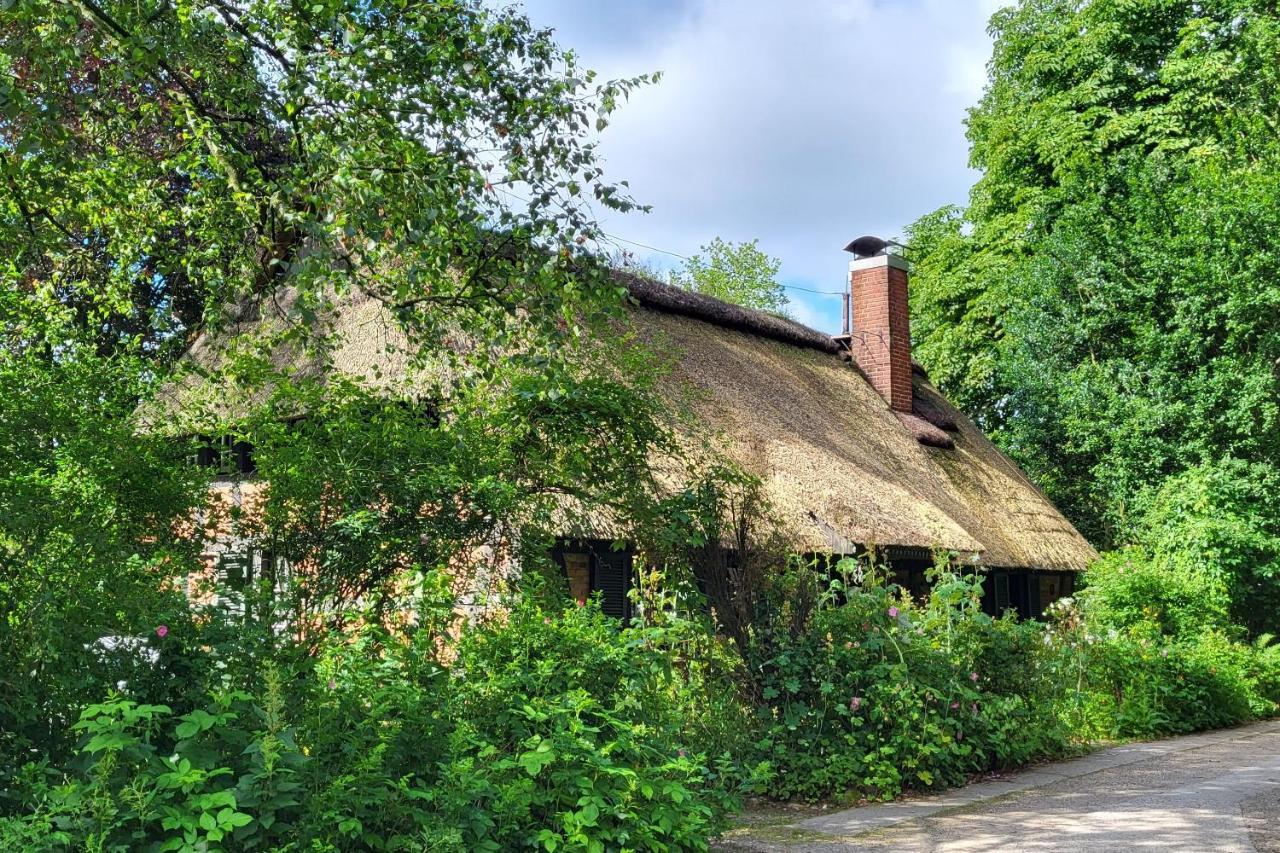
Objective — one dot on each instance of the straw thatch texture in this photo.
(365, 344)
(1020, 527)
(840, 469)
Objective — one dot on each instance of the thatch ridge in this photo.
(677, 300)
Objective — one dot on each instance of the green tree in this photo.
(159, 157)
(735, 272)
(161, 161)
(1106, 303)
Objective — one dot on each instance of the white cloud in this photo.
(802, 124)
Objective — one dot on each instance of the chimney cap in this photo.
(867, 246)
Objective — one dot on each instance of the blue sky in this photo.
(802, 124)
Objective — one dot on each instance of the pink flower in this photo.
(162, 631)
(955, 705)
(893, 613)
(975, 707)
(855, 703)
(973, 676)
(333, 685)
(682, 753)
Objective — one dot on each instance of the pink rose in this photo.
(955, 705)
(162, 631)
(973, 676)
(893, 613)
(855, 703)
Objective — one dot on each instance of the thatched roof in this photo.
(368, 345)
(840, 469)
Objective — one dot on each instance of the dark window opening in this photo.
(1027, 592)
(224, 454)
(247, 574)
(593, 566)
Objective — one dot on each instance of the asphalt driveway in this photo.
(1218, 791)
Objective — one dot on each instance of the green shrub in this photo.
(1134, 678)
(1131, 587)
(1265, 673)
(570, 739)
(1145, 686)
(873, 693)
(560, 731)
(1221, 520)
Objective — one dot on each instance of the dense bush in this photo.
(1138, 678)
(872, 693)
(555, 730)
(1220, 523)
(868, 692)
(1130, 587)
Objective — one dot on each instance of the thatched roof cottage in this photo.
(852, 444)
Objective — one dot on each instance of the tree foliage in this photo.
(159, 157)
(1106, 303)
(736, 272)
(161, 162)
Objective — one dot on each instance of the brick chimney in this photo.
(880, 338)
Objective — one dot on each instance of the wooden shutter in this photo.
(613, 581)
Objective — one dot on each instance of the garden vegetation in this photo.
(380, 682)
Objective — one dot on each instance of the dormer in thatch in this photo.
(855, 449)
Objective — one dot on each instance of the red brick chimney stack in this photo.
(881, 334)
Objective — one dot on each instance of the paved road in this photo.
(1218, 792)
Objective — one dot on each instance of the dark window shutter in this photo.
(613, 576)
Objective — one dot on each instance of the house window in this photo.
(1001, 587)
(224, 454)
(593, 567)
(243, 571)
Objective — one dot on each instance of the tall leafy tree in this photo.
(160, 160)
(1105, 304)
(160, 156)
